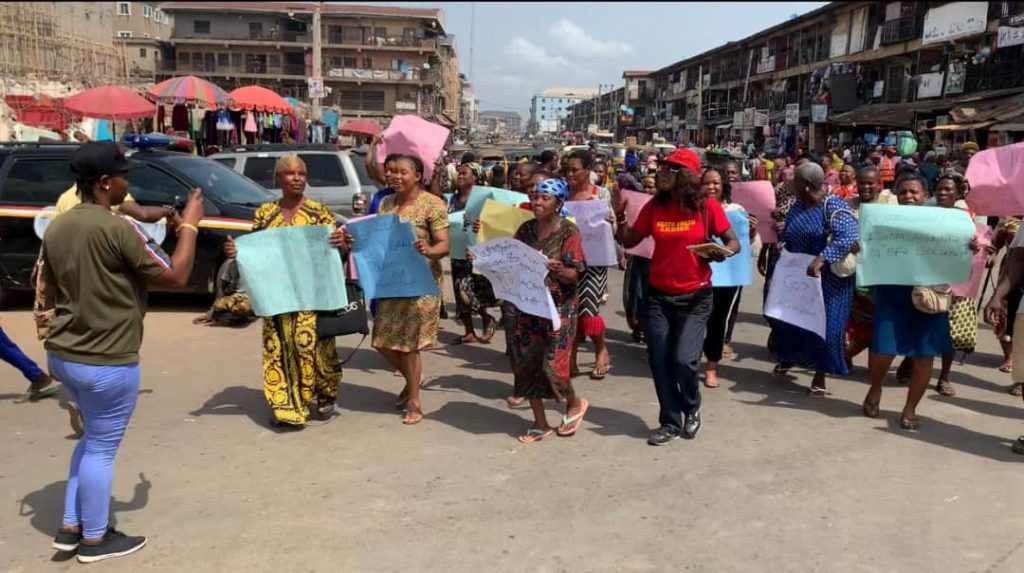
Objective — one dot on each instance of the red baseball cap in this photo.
(684, 157)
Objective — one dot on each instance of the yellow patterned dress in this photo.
(410, 324)
(299, 370)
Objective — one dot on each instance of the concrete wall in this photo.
(229, 26)
(139, 25)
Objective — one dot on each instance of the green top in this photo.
(100, 263)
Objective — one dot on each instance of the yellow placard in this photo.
(498, 220)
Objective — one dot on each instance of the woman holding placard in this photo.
(638, 269)
(473, 293)
(540, 355)
(822, 225)
(901, 329)
(680, 217)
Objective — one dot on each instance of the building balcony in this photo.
(374, 43)
(286, 39)
(901, 29)
(364, 75)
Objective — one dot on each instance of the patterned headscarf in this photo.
(558, 189)
(478, 171)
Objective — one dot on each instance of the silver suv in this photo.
(332, 177)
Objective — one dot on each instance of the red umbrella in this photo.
(109, 102)
(188, 90)
(360, 127)
(259, 99)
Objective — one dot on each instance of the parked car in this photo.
(332, 177)
(33, 176)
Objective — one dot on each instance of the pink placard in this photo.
(758, 198)
(997, 181)
(970, 288)
(635, 201)
(412, 135)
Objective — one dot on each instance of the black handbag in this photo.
(352, 319)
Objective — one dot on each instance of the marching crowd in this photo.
(96, 267)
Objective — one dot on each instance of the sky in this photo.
(521, 48)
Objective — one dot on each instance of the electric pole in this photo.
(317, 60)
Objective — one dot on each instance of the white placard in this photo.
(518, 275)
(792, 114)
(930, 85)
(794, 297)
(1010, 36)
(595, 231)
(954, 20)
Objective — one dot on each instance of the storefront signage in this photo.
(819, 113)
(954, 20)
(930, 85)
(956, 77)
(792, 114)
(1010, 36)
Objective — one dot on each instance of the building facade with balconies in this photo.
(850, 68)
(141, 30)
(376, 61)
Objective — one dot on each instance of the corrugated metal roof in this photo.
(988, 107)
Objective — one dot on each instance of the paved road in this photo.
(776, 481)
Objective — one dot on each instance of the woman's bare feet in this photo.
(711, 375)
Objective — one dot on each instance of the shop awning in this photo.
(904, 114)
(981, 115)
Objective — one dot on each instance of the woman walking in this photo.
(473, 293)
(679, 299)
(858, 327)
(301, 373)
(97, 268)
(901, 329)
(821, 225)
(405, 326)
(635, 283)
(540, 355)
(593, 287)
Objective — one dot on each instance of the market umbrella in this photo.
(188, 90)
(360, 127)
(259, 99)
(109, 102)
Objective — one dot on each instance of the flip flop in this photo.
(1006, 368)
(412, 417)
(534, 435)
(818, 392)
(515, 401)
(600, 371)
(42, 394)
(571, 425)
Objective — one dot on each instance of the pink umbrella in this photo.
(109, 102)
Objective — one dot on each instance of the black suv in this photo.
(34, 175)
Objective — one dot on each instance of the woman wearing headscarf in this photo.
(858, 327)
(593, 286)
(473, 293)
(301, 373)
(900, 329)
(405, 326)
(822, 225)
(540, 356)
(679, 299)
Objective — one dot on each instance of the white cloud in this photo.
(527, 54)
(577, 42)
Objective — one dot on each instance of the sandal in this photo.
(727, 352)
(412, 417)
(711, 379)
(466, 339)
(909, 424)
(945, 388)
(870, 408)
(515, 401)
(600, 371)
(780, 370)
(324, 415)
(1006, 367)
(534, 435)
(569, 425)
(818, 392)
(488, 332)
(1017, 389)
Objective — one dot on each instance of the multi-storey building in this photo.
(550, 107)
(376, 61)
(500, 123)
(141, 30)
(948, 70)
(469, 108)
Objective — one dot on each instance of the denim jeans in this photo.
(11, 354)
(675, 337)
(106, 395)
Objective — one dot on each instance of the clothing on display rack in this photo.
(250, 123)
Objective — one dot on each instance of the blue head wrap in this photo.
(558, 189)
(630, 161)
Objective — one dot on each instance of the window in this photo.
(349, 99)
(123, 34)
(337, 62)
(38, 180)
(275, 60)
(396, 64)
(159, 16)
(324, 170)
(201, 26)
(373, 101)
(255, 30)
(348, 61)
(151, 186)
(368, 63)
(225, 161)
(124, 8)
(185, 58)
(142, 52)
(380, 32)
(223, 60)
(261, 170)
(236, 61)
(351, 35)
(147, 10)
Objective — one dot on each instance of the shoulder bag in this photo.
(846, 266)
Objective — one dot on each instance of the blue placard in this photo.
(389, 265)
(736, 270)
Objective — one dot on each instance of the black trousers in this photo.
(675, 333)
(723, 307)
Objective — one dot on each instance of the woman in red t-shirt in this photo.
(679, 297)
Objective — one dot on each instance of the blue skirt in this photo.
(900, 329)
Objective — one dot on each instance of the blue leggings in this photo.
(11, 354)
(106, 395)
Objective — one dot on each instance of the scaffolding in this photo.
(59, 42)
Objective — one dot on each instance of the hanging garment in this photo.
(277, 120)
(250, 123)
(224, 122)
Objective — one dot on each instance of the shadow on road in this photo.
(45, 507)
(486, 388)
(238, 400)
(357, 398)
(477, 419)
(988, 408)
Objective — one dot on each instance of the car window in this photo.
(38, 180)
(218, 182)
(324, 170)
(149, 185)
(228, 162)
(359, 162)
(261, 170)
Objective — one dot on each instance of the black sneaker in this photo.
(114, 544)
(691, 425)
(66, 541)
(662, 436)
